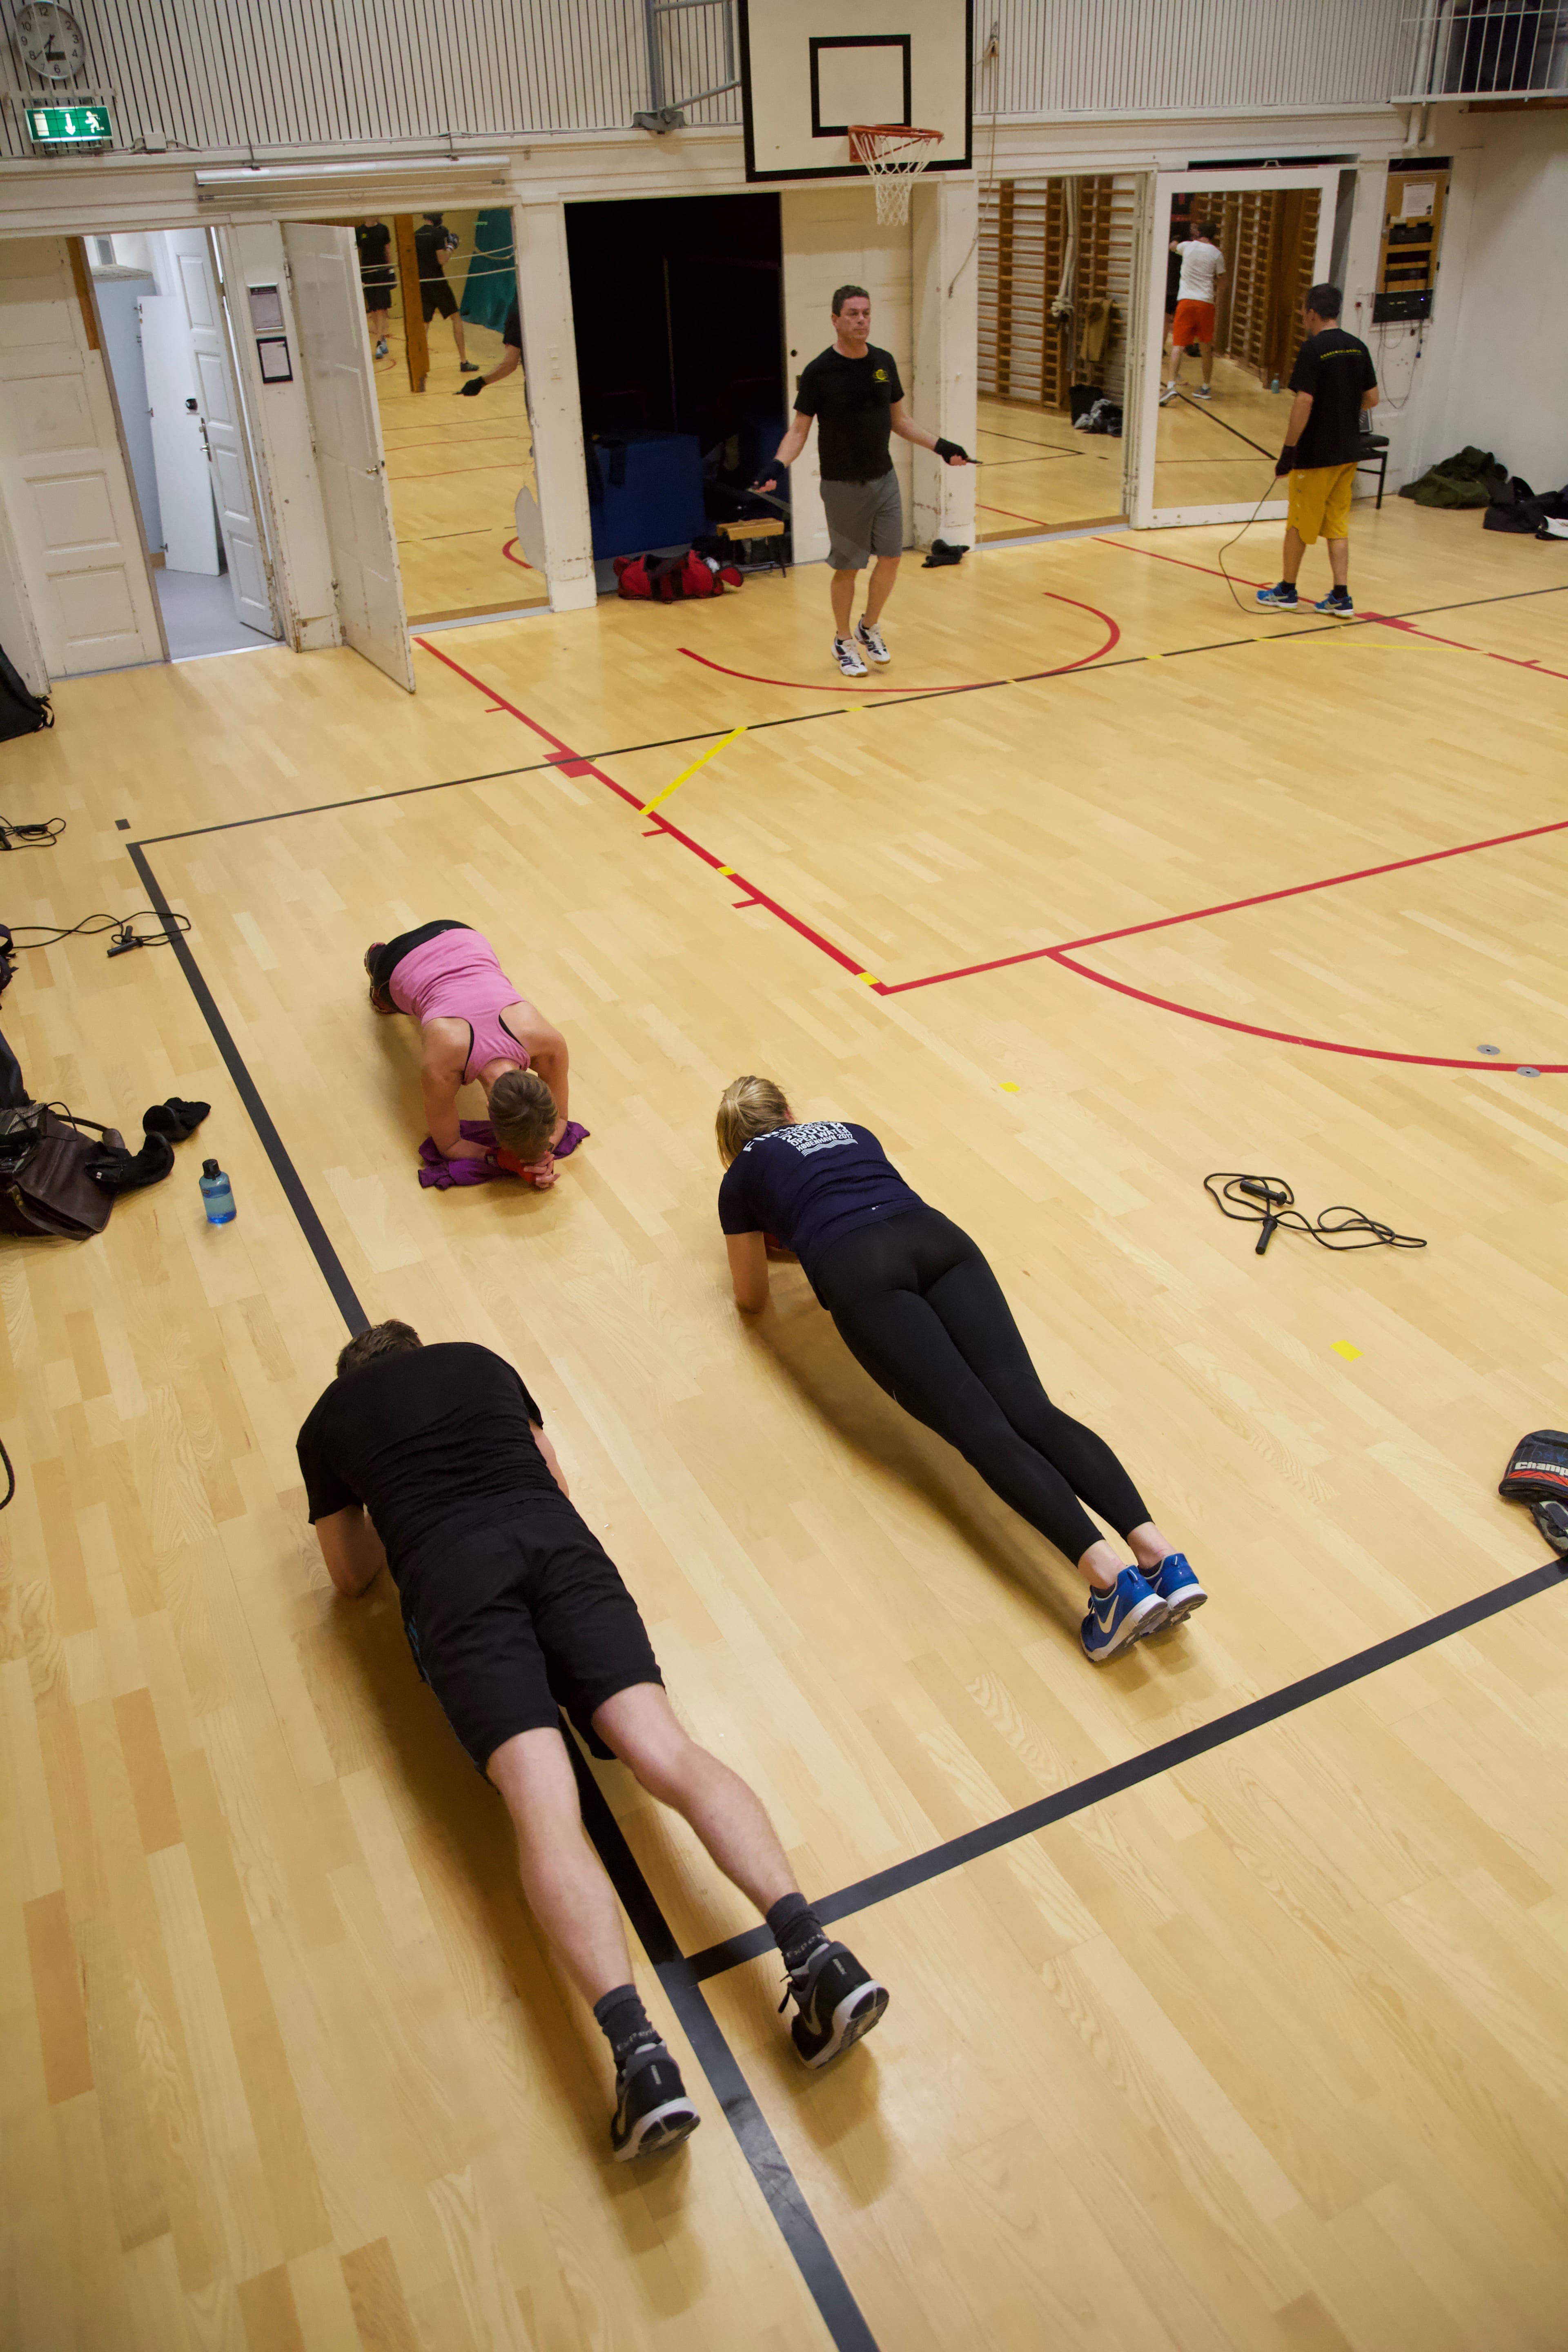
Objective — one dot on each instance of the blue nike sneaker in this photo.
(1281, 594)
(1178, 1588)
(1115, 1619)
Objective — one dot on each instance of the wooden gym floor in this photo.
(1227, 1982)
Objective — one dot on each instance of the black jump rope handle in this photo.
(1265, 1192)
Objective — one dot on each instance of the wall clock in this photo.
(49, 41)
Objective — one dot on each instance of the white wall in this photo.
(1495, 368)
(945, 215)
(289, 483)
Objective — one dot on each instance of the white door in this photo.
(185, 485)
(63, 475)
(335, 361)
(218, 412)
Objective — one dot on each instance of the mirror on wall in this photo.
(1056, 269)
(1236, 263)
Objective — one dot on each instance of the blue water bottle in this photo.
(218, 1194)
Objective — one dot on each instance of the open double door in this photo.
(75, 592)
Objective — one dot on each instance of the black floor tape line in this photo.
(797, 2224)
(885, 702)
(814, 2258)
(332, 1268)
(902, 1876)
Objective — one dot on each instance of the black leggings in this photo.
(919, 1309)
(386, 959)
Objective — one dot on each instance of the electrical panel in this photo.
(1412, 227)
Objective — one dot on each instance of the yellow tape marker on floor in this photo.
(1007, 1086)
(712, 752)
(1342, 1348)
(726, 869)
(870, 978)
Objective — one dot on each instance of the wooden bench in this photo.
(764, 527)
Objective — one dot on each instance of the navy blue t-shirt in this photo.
(809, 1185)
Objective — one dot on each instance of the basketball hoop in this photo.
(895, 156)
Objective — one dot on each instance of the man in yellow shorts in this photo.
(1335, 383)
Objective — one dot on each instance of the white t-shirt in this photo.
(1202, 264)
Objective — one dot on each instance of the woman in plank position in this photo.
(476, 1027)
(919, 1309)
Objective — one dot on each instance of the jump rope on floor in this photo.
(1268, 1202)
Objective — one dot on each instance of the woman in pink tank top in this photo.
(476, 1028)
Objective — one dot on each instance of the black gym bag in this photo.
(21, 712)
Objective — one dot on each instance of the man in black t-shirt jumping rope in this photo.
(853, 388)
(433, 240)
(1335, 383)
(433, 1462)
(372, 237)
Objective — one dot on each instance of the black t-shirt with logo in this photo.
(809, 1184)
(373, 239)
(1336, 368)
(852, 400)
(431, 240)
(435, 1444)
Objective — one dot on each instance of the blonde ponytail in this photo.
(747, 1108)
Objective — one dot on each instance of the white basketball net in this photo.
(895, 156)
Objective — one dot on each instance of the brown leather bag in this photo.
(46, 1187)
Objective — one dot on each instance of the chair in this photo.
(1372, 456)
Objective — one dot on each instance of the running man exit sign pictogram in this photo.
(68, 126)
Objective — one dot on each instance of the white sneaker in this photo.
(1169, 394)
(846, 655)
(1203, 393)
(870, 641)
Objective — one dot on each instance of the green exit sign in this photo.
(68, 126)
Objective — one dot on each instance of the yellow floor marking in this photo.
(712, 752)
(1342, 1348)
(1007, 1086)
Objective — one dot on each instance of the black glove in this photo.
(947, 450)
(1536, 1476)
(471, 391)
(1285, 459)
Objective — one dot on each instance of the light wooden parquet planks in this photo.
(1269, 2052)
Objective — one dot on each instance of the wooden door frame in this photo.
(416, 341)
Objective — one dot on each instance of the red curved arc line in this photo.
(1288, 1037)
(813, 685)
(506, 550)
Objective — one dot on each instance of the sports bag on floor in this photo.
(48, 1189)
(1536, 1476)
(666, 579)
(21, 712)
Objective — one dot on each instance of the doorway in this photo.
(1056, 259)
(440, 302)
(167, 344)
(677, 304)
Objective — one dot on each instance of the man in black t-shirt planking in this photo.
(1335, 383)
(853, 388)
(433, 1462)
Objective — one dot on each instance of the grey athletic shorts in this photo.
(864, 519)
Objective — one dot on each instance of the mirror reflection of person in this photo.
(1203, 267)
(508, 362)
(373, 240)
(433, 240)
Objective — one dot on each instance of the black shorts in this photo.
(377, 284)
(518, 1622)
(385, 960)
(437, 299)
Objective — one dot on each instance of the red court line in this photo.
(1384, 620)
(1011, 512)
(511, 558)
(815, 685)
(571, 763)
(1229, 907)
(1288, 1037)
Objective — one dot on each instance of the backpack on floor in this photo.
(668, 579)
(21, 712)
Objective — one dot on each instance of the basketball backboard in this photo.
(809, 68)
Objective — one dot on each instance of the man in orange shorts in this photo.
(1335, 383)
(1203, 267)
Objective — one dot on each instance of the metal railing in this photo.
(1493, 49)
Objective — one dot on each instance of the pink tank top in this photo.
(455, 977)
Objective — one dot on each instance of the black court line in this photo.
(921, 1868)
(841, 709)
(786, 2202)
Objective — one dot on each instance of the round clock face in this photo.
(51, 41)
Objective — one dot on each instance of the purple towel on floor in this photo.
(572, 1136)
(444, 1173)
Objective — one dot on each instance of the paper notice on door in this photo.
(1415, 199)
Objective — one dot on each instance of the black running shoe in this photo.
(838, 2003)
(652, 2110)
